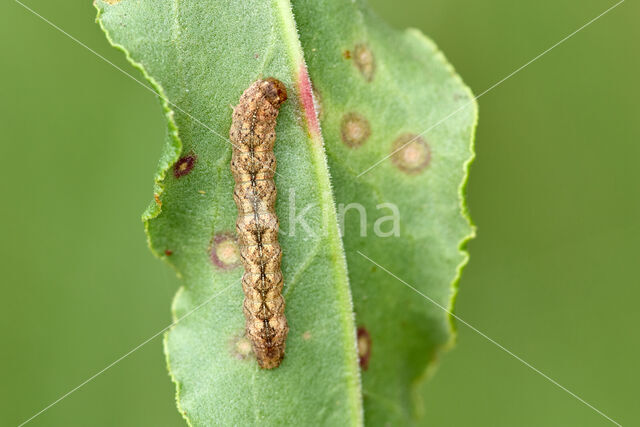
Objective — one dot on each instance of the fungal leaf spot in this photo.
(241, 347)
(364, 347)
(354, 129)
(364, 61)
(411, 153)
(184, 165)
(224, 251)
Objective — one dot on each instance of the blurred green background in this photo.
(554, 192)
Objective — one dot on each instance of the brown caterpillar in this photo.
(253, 166)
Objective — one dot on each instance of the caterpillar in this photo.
(253, 166)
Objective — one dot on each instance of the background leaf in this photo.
(201, 55)
(397, 83)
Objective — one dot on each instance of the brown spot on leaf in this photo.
(241, 347)
(411, 153)
(156, 197)
(364, 60)
(364, 347)
(459, 96)
(306, 336)
(168, 252)
(354, 129)
(184, 165)
(346, 54)
(224, 251)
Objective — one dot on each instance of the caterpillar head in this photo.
(274, 91)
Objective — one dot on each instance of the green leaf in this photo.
(373, 85)
(200, 56)
(398, 83)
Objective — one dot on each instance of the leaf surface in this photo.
(200, 56)
(401, 87)
(378, 92)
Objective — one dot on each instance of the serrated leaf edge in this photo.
(432, 366)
